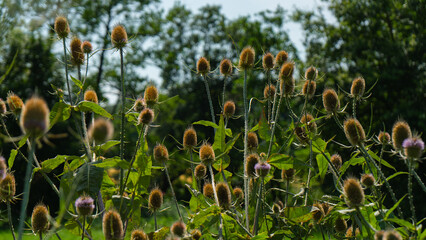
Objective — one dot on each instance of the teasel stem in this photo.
(26, 192)
(264, 214)
(354, 107)
(216, 199)
(223, 92)
(9, 214)
(367, 225)
(379, 204)
(419, 180)
(122, 115)
(268, 76)
(87, 68)
(66, 72)
(131, 204)
(277, 85)
(246, 190)
(309, 172)
(84, 223)
(14, 144)
(40, 235)
(322, 231)
(339, 124)
(256, 215)
(388, 186)
(57, 235)
(286, 194)
(273, 127)
(209, 97)
(173, 191)
(410, 195)
(155, 221)
(289, 107)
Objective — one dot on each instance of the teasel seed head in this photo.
(139, 105)
(3, 168)
(7, 188)
(84, 205)
(40, 219)
(178, 229)
(354, 131)
(392, 235)
(161, 153)
(330, 100)
(252, 160)
(77, 55)
(269, 92)
(262, 169)
(400, 131)
(15, 103)
(309, 88)
(207, 155)
(288, 174)
(379, 235)
(229, 109)
(61, 27)
(101, 130)
(311, 73)
(281, 58)
(226, 67)
(286, 71)
(3, 109)
(35, 117)
(151, 96)
(146, 116)
(238, 193)
(247, 58)
(318, 213)
(354, 194)
(308, 120)
(368, 180)
(112, 225)
(384, 137)
(155, 199)
(326, 208)
(200, 171)
(86, 47)
(223, 195)
(119, 37)
(195, 234)
(413, 147)
(287, 86)
(358, 87)
(203, 66)
(268, 61)
(138, 234)
(252, 141)
(208, 190)
(189, 138)
(91, 96)
(340, 225)
(336, 160)
(350, 232)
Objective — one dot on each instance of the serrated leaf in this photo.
(59, 113)
(377, 158)
(89, 179)
(228, 131)
(113, 162)
(12, 157)
(281, 161)
(86, 106)
(52, 163)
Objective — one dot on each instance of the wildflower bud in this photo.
(223, 195)
(330, 100)
(400, 131)
(200, 171)
(35, 117)
(252, 141)
(151, 96)
(384, 137)
(15, 103)
(86, 47)
(7, 187)
(84, 205)
(61, 27)
(155, 199)
(229, 109)
(40, 219)
(309, 88)
(286, 72)
(247, 58)
(226, 67)
(138, 234)
(252, 160)
(77, 55)
(326, 208)
(354, 131)
(196, 234)
(379, 235)
(3, 168)
(358, 87)
(203, 66)
(207, 155)
(354, 194)
(146, 116)
(239, 194)
(392, 235)
(268, 61)
(101, 130)
(189, 138)
(413, 147)
(3, 109)
(336, 160)
(178, 229)
(119, 37)
(262, 169)
(112, 225)
(367, 180)
(269, 92)
(288, 174)
(91, 96)
(161, 153)
(308, 120)
(281, 58)
(340, 225)
(311, 73)
(139, 105)
(318, 213)
(208, 190)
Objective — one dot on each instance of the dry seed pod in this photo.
(286, 71)
(400, 131)
(326, 208)
(229, 109)
(309, 88)
(247, 58)
(138, 234)
(358, 87)
(311, 73)
(269, 92)
(207, 155)
(308, 120)
(86, 47)
(336, 160)
(252, 141)
(391, 235)
(35, 117)
(7, 188)
(354, 131)
(178, 229)
(379, 235)
(287, 86)
(119, 37)
(189, 138)
(354, 194)
(223, 195)
(226, 67)
(288, 174)
(146, 116)
(238, 193)
(101, 130)
(203, 66)
(112, 226)
(139, 105)
(40, 219)
(268, 61)
(155, 199)
(151, 96)
(77, 55)
(200, 171)
(196, 234)
(368, 180)
(3, 168)
(15, 103)
(281, 58)
(61, 27)
(252, 160)
(161, 153)
(3, 109)
(318, 213)
(384, 137)
(330, 100)
(208, 190)
(340, 225)
(91, 96)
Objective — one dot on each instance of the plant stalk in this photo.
(246, 190)
(155, 221)
(256, 215)
(309, 172)
(122, 115)
(9, 214)
(66, 72)
(173, 191)
(210, 98)
(410, 195)
(84, 223)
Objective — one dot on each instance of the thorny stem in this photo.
(9, 214)
(173, 191)
(275, 99)
(286, 194)
(84, 223)
(289, 107)
(354, 108)
(155, 221)
(66, 73)
(223, 93)
(419, 180)
(122, 116)
(256, 215)
(273, 127)
(209, 97)
(268, 99)
(87, 68)
(40, 235)
(410, 195)
(216, 199)
(309, 172)
(246, 191)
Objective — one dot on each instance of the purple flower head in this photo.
(413, 147)
(262, 168)
(3, 168)
(84, 205)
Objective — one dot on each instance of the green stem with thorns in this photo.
(9, 215)
(410, 195)
(173, 191)
(66, 72)
(122, 115)
(209, 97)
(246, 191)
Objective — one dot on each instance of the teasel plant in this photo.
(203, 68)
(225, 69)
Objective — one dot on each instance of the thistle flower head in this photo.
(151, 96)
(340, 225)
(207, 155)
(252, 141)
(3, 168)
(61, 27)
(77, 55)
(101, 130)
(311, 73)
(354, 194)
(223, 195)
(208, 190)
(336, 160)
(112, 225)
(238, 193)
(269, 92)
(247, 58)
(15, 103)
(225, 67)
(358, 87)
(119, 37)
(155, 199)
(413, 147)
(281, 58)
(178, 229)
(161, 153)
(354, 131)
(91, 96)
(203, 66)
(200, 171)
(7, 188)
(309, 88)
(384, 137)
(138, 234)
(86, 47)
(3, 109)
(196, 234)
(330, 100)
(35, 117)
(189, 138)
(146, 116)
(368, 180)
(252, 160)
(40, 219)
(262, 169)
(139, 105)
(400, 131)
(268, 61)
(391, 235)
(229, 109)
(288, 174)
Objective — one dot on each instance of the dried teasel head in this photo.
(7, 188)
(203, 66)
(223, 195)
(91, 96)
(229, 109)
(86, 47)
(138, 234)
(340, 225)
(208, 190)
(330, 100)
(311, 73)
(268, 61)
(281, 58)
(354, 194)
(155, 200)
(77, 55)
(61, 27)
(151, 96)
(200, 171)
(35, 117)
(196, 234)
(146, 116)
(238, 193)
(207, 155)
(252, 141)
(269, 92)
(252, 160)
(400, 131)
(225, 67)
(101, 130)
(112, 225)
(354, 131)
(358, 87)
(336, 160)
(15, 103)
(40, 219)
(368, 180)
(309, 88)
(189, 138)
(119, 37)
(384, 137)
(288, 174)
(247, 58)
(161, 153)
(178, 229)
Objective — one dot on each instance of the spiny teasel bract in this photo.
(155, 199)
(151, 96)
(112, 225)
(358, 87)
(223, 195)
(189, 138)
(354, 194)
(77, 55)
(40, 219)
(203, 66)
(161, 153)
(229, 109)
(61, 27)
(91, 96)
(207, 155)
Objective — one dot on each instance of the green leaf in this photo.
(12, 157)
(394, 207)
(319, 145)
(9, 68)
(160, 234)
(86, 106)
(204, 215)
(395, 174)
(264, 130)
(322, 165)
(384, 163)
(281, 161)
(351, 162)
(113, 162)
(104, 147)
(231, 143)
(59, 113)
(298, 214)
(89, 179)
(228, 131)
(219, 145)
(77, 82)
(402, 223)
(23, 141)
(52, 163)
(260, 236)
